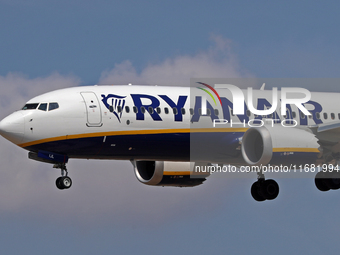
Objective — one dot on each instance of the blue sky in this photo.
(85, 38)
(46, 45)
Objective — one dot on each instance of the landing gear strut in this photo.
(63, 182)
(262, 189)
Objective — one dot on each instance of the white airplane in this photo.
(166, 132)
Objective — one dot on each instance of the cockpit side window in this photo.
(30, 107)
(53, 106)
(43, 107)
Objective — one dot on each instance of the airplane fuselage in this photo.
(144, 122)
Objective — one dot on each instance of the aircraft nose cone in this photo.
(12, 127)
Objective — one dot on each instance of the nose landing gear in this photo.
(64, 181)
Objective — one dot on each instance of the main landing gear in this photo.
(63, 182)
(325, 181)
(262, 189)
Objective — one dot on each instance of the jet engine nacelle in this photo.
(263, 145)
(165, 173)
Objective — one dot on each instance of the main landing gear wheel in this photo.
(325, 181)
(262, 190)
(64, 181)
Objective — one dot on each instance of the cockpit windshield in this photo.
(30, 107)
(42, 106)
(53, 106)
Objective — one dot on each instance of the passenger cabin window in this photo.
(325, 115)
(150, 109)
(332, 116)
(30, 107)
(191, 111)
(174, 110)
(166, 110)
(293, 114)
(183, 111)
(158, 110)
(119, 108)
(127, 109)
(317, 115)
(53, 106)
(43, 107)
(135, 109)
(142, 109)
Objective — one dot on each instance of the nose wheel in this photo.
(64, 181)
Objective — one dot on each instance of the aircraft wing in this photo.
(328, 136)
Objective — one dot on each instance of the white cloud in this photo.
(16, 88)
(216, 62)
(107, 191)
